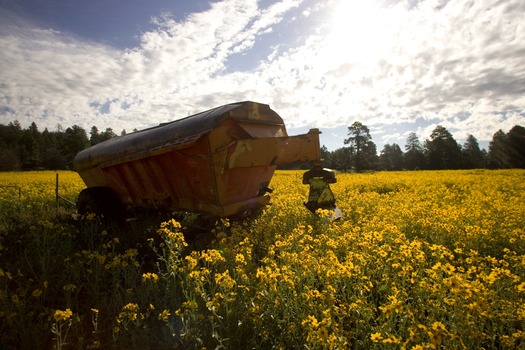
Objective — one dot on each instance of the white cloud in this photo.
(402, 64)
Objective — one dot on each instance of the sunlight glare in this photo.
(358, 29)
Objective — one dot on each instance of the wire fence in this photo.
(58, 197)
(18, 188)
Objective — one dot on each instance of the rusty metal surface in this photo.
(176, 134)
(214, 162)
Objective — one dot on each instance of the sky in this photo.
(396, 66)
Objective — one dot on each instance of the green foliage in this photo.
(420, 260)
(30, 149)
(508, 150)
(391, 158)
(363, 149)
(473, 156)
(442, 151)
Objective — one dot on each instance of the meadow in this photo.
(421, 260)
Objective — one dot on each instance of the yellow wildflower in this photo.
(149, 276)
(323, 334)
(163, 316)
(376, 337)
(239, 259)
(62, 315)
(392, 340)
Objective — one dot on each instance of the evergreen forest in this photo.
(32, 149)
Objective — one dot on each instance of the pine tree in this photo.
(414, 158)
(442, 151)
(473, 157)
(364, 151)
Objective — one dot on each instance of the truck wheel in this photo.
(101, 201)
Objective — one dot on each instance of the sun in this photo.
(358, 28)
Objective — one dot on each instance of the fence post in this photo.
(59, 197)
(16, 187)
(56, 191)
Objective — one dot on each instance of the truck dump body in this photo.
(218, 162)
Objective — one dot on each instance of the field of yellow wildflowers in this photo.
(421, 260)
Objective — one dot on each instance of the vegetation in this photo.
(363, 152)
(440, 152)
(30, 149)
(421, 260)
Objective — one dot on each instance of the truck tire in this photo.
(101, 201)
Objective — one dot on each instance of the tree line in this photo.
(31, 149)
(439, 152)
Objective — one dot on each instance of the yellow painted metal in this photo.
(219, 161)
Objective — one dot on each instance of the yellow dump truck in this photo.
(219, 162)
